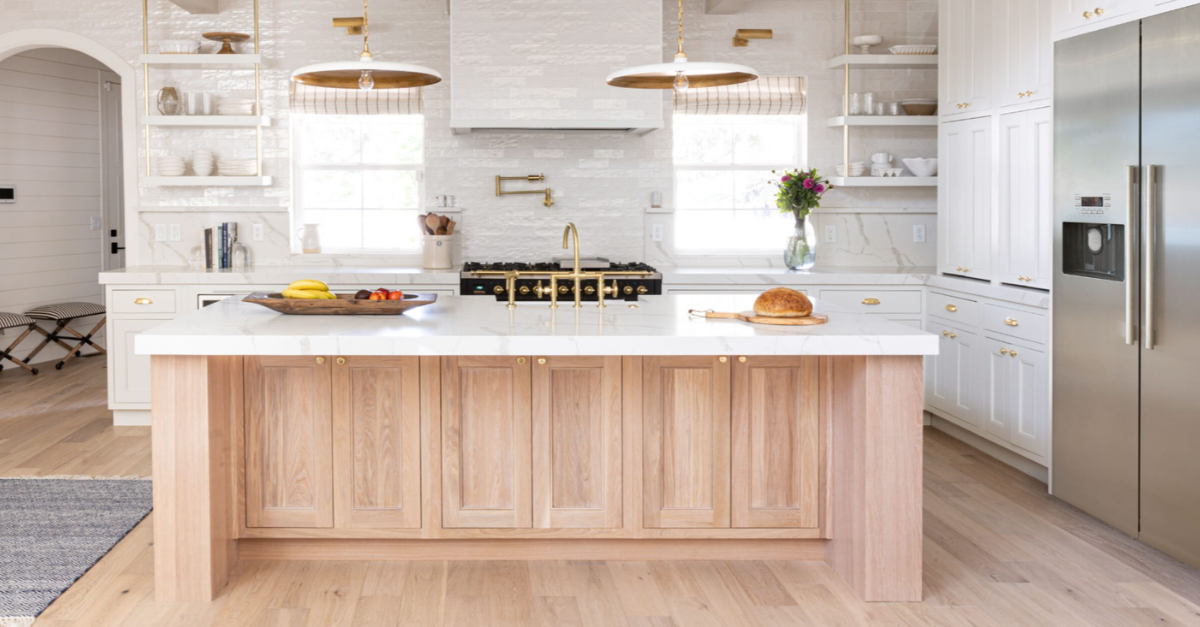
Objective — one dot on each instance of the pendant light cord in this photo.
(680, 54)
(366, 53)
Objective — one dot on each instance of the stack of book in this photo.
(218, 245)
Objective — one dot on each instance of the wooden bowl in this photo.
(345, 305)
(919, 109)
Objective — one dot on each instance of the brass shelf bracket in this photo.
(742, 37)
(547, 200)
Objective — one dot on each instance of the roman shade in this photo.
(779, 95)
(326, 101)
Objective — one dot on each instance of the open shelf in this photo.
(202, 61)
(210, 121)
(207, 181)
(884, 181)
(885, 61)
(882, 120)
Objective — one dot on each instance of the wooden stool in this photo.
(8, 321)
(62, 314)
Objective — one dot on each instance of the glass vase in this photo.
(800, 254)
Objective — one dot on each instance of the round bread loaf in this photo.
(781, 302)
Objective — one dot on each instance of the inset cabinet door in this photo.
(966, 58)
(965, 198)
(577, 442)
(1026, 193)
(997, 418)
(1028, 399)
(776, 442)
(1026, 51)
(954, 384)
(685, 442)
(377, 442)
(131, 372)
(289, 457)
(486, 442)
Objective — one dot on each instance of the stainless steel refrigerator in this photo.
(1126, 445)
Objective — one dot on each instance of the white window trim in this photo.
(297, 189)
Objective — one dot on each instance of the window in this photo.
(724, 199)
(360, 178)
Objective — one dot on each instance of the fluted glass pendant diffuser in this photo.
(682, 74)
(366, 73)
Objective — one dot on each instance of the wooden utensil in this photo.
(808, 320)
(433, 222)
(443, 221)
(450, 227)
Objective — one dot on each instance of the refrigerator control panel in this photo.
(1093, 205)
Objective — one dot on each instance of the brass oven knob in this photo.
(499, 289)
(589, 290)
(524, 290)
(641, 289)
(628, 289)
(562, 289)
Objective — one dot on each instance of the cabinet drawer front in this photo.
(1022, 324)
(953, 308)
(142, 301)
(875, 301)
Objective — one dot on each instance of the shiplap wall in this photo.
(49, 149)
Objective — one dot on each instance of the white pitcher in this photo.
(310, 239)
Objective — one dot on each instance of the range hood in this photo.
(542, 68)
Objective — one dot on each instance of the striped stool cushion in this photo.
(65, 311)
(9, 320)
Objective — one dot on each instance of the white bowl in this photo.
(866, 41)
(921, 167)
(914, 49)
(178, 46)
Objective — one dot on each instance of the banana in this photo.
(308, 284)
(307, 294)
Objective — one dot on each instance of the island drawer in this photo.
(1015, 322)
(953, 308)
(875, 301)
(142, 301)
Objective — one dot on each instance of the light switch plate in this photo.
(918, 233)
(176, 233)
(160, 232)
(830, 233)
(97, 223)
(258, 232)
(657, 232)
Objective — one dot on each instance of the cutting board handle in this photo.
(708, 313)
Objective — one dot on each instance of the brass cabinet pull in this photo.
(520, 360)
(341, 361)
(953, 336)
(722, 359)
(741, 360)
(542, 360)
(320, 360)
(1012, 353)
(951, 308)
(1012, 322)
(870, 301)
(143, 301)
(945, 334)
(1087, 15)
(1004, 351)
(1099, 11)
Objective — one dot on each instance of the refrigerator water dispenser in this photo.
(1094, 250)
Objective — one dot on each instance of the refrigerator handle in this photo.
(1149, 231)
(1131, 198)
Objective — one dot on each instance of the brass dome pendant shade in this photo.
(366, 73)
(682, 74)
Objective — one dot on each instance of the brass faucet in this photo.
(575, 273)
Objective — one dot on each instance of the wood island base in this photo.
(555, 457)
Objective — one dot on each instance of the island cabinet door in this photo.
(686, 442)
(577, 442)
(776, 442)
(289, 457)
(486, 443)
(377, 442)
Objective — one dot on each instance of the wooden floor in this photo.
(999, 552)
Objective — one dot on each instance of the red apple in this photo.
(396, 295)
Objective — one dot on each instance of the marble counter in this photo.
(658, 325)
(268, 275)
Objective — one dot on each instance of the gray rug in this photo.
(53, 530)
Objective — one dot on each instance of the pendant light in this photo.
(682, 74)
(366, 73)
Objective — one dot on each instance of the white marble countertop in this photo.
(270, 274)
(659, 325)
(845, 275)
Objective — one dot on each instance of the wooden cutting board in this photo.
(808, 320)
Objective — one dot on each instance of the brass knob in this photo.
(953, 335)
(1012, 322)
(1020, 94)
(722, 359)
(641, 289)
(320, 360)
(966, 104)
(1004, 351)
(499, 289)
(951, 308)
(966, 269)
(341, 361)
(524, 290)
(1012, 353)
(1087, 15)
(1099, 11)
(870, 301)
(741, 360)
(520, 360)
(143, 301)
(589, 290)
(945, 334)
(542, 360)
(562, 289)
(627, 290)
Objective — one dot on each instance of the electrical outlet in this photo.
(918, 233)
(657, 232)
(830, 233)
(258, 232)
(97, 223)
(160, 232)
(176, 233)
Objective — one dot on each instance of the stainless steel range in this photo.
(531, 282)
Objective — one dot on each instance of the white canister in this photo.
(436, 255)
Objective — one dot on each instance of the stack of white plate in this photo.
(237, 167)
(856, 169)
(179, 46)
(235, 106)
(202, 162)
(170, 165)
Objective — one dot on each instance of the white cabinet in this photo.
(130, 372)
(1072, 15)
(1025, 52)
(952, 376)
(1016, 404)
(966, 58)
(1025, 196)
(965, 198)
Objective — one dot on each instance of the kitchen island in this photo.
(468, 430)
